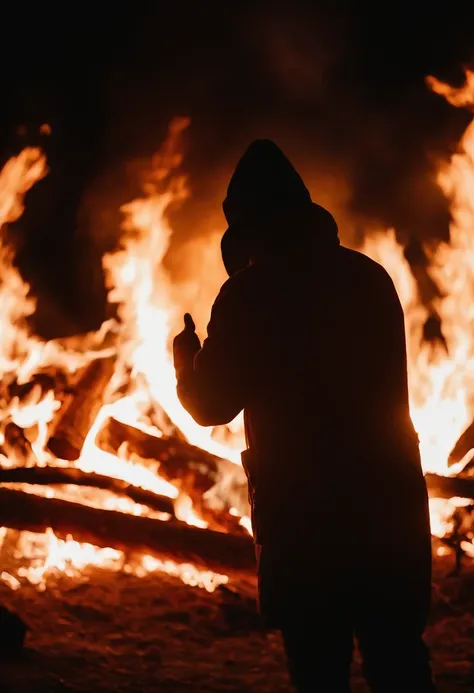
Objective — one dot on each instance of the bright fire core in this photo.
(149, 309)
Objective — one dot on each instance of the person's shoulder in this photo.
(242, 284)
(364, 268)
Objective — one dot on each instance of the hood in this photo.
(265, 186)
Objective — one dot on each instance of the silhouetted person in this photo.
(307, 337)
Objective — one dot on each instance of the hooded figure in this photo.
(307, 337)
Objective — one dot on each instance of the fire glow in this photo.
(143, 380)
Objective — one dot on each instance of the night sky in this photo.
(340, 86)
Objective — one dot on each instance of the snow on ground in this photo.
(114, 633)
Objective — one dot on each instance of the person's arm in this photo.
(213, 384)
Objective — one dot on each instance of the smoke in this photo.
(350, 101)
(340, 88)
(344, 94)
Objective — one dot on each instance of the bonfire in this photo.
(100, 464)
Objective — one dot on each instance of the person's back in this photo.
(308, 338)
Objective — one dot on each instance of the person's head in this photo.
(269, 209)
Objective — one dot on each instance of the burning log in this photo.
(16, 445)
(38, 386)
(449, 486)
(463, 445)
(173, 540)
(80, 410)
(175, 455)
(190, 468)
(53, 476)
(438, 486)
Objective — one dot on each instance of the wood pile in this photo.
(155, 527)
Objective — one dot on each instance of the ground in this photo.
(118, 633)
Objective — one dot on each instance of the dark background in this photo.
(340, 86)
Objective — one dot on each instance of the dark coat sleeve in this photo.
(215, 387)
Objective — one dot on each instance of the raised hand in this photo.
(186, 344)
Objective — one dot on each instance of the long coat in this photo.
(312, 348)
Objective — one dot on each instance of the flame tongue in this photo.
(441, 379)
(139, 284)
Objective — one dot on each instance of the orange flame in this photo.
(441, 384)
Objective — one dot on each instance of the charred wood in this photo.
(464, 444)
(36, 387)
(53, 476)
(80, 409)
(438, 486)
(16, 445)
(187, 467)
(449, 486)
(175, 455)
(173, 540)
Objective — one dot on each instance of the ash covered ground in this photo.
(113, 632)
